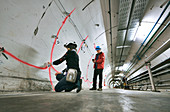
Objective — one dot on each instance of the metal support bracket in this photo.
(148, 64)
(1, 49)
(1, 52)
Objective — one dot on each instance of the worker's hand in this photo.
(1, 49)
(49, 64)
(93, 60)
(57, 73)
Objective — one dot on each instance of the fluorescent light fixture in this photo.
(119, 47)
(144, 29)
(125, 66)
(121, 74)
(122, 68)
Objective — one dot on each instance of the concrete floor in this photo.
(109, 100)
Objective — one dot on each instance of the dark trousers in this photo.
(96, 73)
(65, 85)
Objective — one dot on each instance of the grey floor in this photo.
(109, 100)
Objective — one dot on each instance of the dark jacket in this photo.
(72, 60)
(100, 58)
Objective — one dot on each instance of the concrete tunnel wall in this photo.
(19, 19)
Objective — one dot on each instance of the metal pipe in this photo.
(135, 70)
(154, 26)
(156, 38)
(160, 50)
(151, 44)
(165, 20)
(150, 33)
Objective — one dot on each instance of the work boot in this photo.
(68, 90)
(100, 89)
(79, 83)
(92, 88)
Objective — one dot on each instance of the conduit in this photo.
(153, 27)
(137, 53)
(159, 51)
(134, 61)
(156, 38)
(164, 22)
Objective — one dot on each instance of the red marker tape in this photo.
(50, 79)
(82, 44)
(54, 45)
(94, 46)
(88, 67)
(54, 69)
(6, 52)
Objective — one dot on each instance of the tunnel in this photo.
(117, 51)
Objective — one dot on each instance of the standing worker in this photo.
(98, 68)
(72, 62)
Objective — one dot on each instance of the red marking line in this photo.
(82, 44)
(54, 45)
(6, 52)
(88, 67)
(94, 46)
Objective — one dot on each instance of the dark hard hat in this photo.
(71, 45)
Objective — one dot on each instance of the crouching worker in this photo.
(72, 79)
